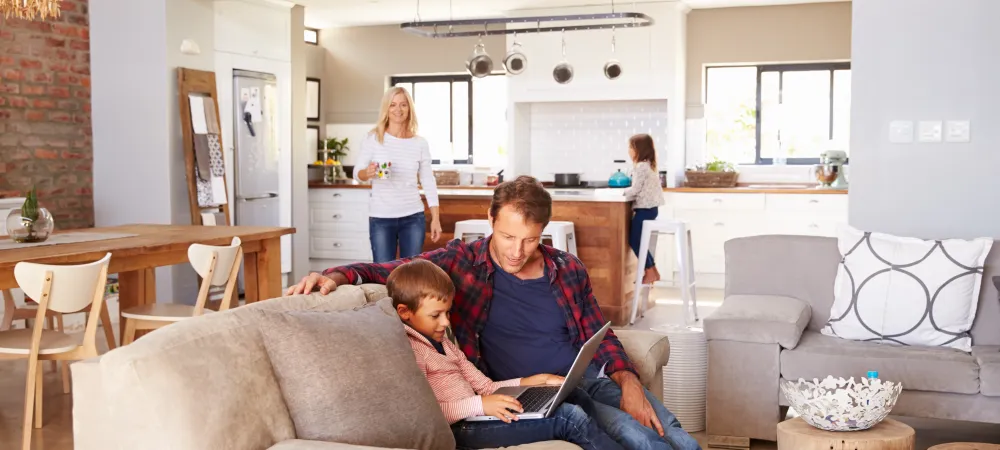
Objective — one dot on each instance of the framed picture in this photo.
(312, 99)
(312, 138)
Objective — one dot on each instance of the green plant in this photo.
(718, 165)
(338, 146)
(29, 213)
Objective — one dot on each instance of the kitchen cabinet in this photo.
(715, 218)
(338, 225)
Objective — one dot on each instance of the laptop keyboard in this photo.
(534, 399)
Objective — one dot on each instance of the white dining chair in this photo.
(217, 265)
(63, 289)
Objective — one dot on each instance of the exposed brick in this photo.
(87, 167)
(44, 104)
(33, 90)
(20, 154)
(77, 19)
(6, 61)
(8, 140)
(85, 82)
(59, 92)
(6, 114)
(31, 64)
(73, 154)
(42, 77)
(67, 79)
(18, 102)
(10, 88)
(35, 116)
(67, 105)
(55, 42)
(59, 116)
(66, 30)
(81, 118)
(81, 93)
(28, 166)
(82, 69)
(6, 35)
(80, 45)
(32, 141)
(68, 178)
(42, 153)
(58, 67)
(11, 74)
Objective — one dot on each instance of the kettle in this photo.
(619, 179)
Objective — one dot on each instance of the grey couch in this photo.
(779, 290)
(207, 383)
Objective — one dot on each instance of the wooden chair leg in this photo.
(63, 365)
(50, 324)
(39, 385)
(129, 331)
(29, 403)
(109, 332)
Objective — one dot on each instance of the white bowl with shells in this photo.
(836, 404)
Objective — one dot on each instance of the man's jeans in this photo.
(624, 428)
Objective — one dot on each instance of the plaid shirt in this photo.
(471, 269)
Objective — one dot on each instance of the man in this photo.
(522, 308)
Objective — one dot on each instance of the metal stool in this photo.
(475, 228)
(561, 233)
(651, 229)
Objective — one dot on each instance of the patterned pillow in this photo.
(906, 291)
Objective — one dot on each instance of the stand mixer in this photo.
(830, 171)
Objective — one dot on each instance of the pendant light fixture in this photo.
(515, 62)
(563, 72)
(612, 68)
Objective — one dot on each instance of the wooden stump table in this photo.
(965, 446)
(889, 434)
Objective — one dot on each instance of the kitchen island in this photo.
(601, 218)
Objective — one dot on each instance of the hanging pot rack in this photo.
(480, 27)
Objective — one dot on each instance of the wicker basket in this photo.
(446, 177)
(701, 179)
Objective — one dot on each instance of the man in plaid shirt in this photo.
(492, 277)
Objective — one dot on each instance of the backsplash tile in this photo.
(586, 137)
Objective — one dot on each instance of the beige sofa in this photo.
(779, 290)
(207, 383)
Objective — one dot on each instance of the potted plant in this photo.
(30, 223)
(339, 150)
(716, 173)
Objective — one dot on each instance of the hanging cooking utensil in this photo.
(563, 72)
(515, 62)
(612, 68)
(479, 63)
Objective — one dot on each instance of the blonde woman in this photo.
(396, 212)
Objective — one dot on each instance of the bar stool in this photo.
(651, 229)
(561, 233)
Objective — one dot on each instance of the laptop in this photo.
(540, 402)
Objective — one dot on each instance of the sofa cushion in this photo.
(918, 368)
(344, 376)
(988, 357)
(167, 388)
(298, 444)
(763, 319)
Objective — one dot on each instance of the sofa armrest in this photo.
(374, 292)
(92, 426)
(648, 351)
(762, 319)
(300, 444)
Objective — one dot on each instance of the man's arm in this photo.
(378, 273)
(611, 353)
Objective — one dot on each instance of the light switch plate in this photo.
(929, 131)
(901, 131)
(957, 131)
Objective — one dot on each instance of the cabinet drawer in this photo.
(809, 226)
(825, 204)
(346, 247)
(352, 197)
(718, 202)
(338, 219)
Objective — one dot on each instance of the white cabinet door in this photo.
(253, 30)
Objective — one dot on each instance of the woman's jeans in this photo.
(407, 233)
(635, 233)
(571, 422)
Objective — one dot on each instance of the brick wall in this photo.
(45, 133)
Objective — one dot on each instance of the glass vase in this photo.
(25, 230)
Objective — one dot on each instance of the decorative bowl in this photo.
(836, 404)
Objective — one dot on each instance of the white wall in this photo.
(302, 154)
(653, 62)
(925, 60)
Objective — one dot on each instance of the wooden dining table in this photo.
(134, 258)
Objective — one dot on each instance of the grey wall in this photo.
(302, 155)
(925, 60)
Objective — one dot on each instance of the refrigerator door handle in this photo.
(257, 197)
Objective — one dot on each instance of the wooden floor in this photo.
(57, 433)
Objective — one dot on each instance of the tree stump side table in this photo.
(889, 434)
(965, 446)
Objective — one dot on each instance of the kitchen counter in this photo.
(560, 194)
(758, 189)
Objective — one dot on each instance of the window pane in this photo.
(842, 110)
(770, 93)
(434, 117)
(408, 87)
(311, 36)
(460, 120)
(801, 116)
(489, 121)
(730, 114)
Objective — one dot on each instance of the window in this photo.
(312, 36)
(463, 118)
(774, 113)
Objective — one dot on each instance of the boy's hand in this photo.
(542, 378)
(500, 406)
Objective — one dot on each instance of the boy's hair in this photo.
(411, 282)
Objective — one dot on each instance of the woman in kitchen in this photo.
(393, 157)
(646, 195)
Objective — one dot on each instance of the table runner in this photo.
(63, 238)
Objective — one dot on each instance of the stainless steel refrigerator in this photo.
(255, 156)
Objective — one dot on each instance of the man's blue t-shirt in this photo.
(526, 331)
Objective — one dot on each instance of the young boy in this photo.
(422, 294)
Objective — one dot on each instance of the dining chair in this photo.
(217, 266)
(63, 289)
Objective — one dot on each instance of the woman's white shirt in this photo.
(399, 195)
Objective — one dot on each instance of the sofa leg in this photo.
(728, 442)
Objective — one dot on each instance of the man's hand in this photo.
(313, 281)
(634, 400)
(542, 378)
(500, 406)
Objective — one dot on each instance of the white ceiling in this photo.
(331, 13)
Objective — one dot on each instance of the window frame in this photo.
(758, 112)
(314, 30)
(451, 79)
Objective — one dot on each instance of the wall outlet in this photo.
(929, 131)
(901, 131)
(957, 131)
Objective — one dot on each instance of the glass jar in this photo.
(25, 230)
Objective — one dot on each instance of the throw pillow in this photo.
(906, 291)
(351, 377)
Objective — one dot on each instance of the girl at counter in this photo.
(394, 158)
(647, 196)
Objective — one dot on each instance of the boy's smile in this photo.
(430, 319)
